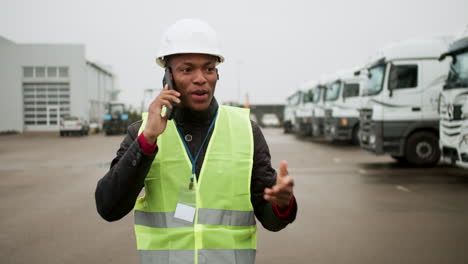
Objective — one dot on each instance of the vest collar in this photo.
(204, 117)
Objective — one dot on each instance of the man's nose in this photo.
(199, 77)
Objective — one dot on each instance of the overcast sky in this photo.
(270, 47)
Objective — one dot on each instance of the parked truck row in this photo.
(410, 101)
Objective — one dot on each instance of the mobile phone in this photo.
(168, 80)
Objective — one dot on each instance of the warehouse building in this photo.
(42, 83)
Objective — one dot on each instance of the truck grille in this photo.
(452, 112)
(365, 119)
(450, 128)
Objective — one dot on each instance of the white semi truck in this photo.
(454, 105)
(304, 112)
(318, 106)
(292, 104)
(343, 102)
(399, 112)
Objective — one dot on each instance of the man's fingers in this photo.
(277, 199)
(275, 190)
(170, 97)
(283, 169)
(166, 103)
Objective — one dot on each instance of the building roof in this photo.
(102, 68)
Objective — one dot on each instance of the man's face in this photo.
(195, 77)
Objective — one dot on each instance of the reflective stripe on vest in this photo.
(206, 216)
(224, 230)
(205, 256)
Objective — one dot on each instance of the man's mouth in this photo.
(200, 95)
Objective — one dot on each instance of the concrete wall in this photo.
(100, 86)
(11, 112)
(88, 82)
(72, 56)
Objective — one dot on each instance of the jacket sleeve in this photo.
(118, 190)
(263, 176)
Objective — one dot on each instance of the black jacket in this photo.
(118, 190)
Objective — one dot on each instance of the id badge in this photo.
(186, 205)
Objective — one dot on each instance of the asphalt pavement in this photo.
(354, 207)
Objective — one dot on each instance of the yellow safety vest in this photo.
(224, 228)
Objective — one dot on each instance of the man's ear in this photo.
(217, 74)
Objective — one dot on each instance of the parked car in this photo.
(270, 120)
(74, 125)
(94, 128)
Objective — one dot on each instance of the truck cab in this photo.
(343, 102)
(453, 106)
(304, 111)
(399, 115)
(318, 106)
(292, 104)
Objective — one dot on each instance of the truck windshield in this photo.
(316, 95)
(333, 91)
(374, 84)
(458, 76)
(308, 96)
(116, 109)
(294, 99)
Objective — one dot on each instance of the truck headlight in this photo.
(333, 129)
(372, 139)
(344, 122)
(464, 142)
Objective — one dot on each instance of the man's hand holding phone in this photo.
(156, 124)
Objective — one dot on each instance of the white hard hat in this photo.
(189, 36)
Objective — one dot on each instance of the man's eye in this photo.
(211, 69)
(186, 69)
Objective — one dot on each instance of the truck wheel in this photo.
(286, 128)
(355, 136)
(422, 149)
(399, 159)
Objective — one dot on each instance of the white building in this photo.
(41, 83)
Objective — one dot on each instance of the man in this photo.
(206, 173)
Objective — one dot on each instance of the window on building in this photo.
(28, 72)
(403, 76)
(40, 72)
(63, 72)
(52, 72)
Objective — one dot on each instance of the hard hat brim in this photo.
(161, 62)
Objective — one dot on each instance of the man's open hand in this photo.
(282, 192)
